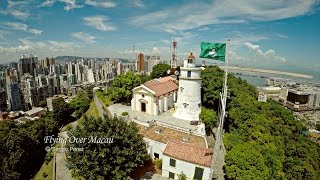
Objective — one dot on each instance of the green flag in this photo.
(215, 51)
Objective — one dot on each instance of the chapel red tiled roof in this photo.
(189, 153)
(167, 78)
(161, 88)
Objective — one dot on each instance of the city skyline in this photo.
(270, 34)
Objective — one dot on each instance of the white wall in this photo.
(182, 166)
(154, 147)
(189, 93)
(151, 107)
(136, 104)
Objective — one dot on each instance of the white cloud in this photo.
(47, 3)
(70, 4)
(84, 37)
(16, 26)
(238, 38)
(18, 9)
(196, 14)
(155, 50)
(19, 14)
(137, 3)
(282, 36)
(40, 48)
(35, 31)
(16, 13)
(203, 29)
(268, 55)
(99, 22)
(3, 34)
(101, 3)
(22, 27)
(235, 56)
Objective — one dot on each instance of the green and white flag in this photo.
(216, 51)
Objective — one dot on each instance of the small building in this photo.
(156, 138)
(51, 100)
(193, 161)
(262, 97)
(283, 96)
(35, 112)
(297, 100)
(155, 96)
(271, 92)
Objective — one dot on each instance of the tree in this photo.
(122, 86)
(43, 103)
(62, 111)
(110, 160)
(212, 80)
(209, 117)
(182, 176)
(22, 147)
(160, 70)
(245, 161)
(81, 103)
(145, 78)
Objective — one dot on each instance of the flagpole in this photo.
(221, 115)
(225, 86)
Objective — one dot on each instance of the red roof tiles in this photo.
(161, 88)
(165, 79)
(189, 153)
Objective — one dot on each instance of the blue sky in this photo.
(272, 33)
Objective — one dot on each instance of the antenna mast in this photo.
(174, 54)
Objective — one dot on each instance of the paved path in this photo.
(158, 177)
(62, 172)
(101, 112)
(219, 164)
(165, 117)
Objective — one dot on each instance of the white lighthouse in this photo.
(189, 92)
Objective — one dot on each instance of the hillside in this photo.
(263, 140)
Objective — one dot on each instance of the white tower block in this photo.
(189, 94)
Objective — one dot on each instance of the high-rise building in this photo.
(119, 68)
(27, 64)
(29, 90)
(154, 60)
(13, 65)
(3, 94)
(141, 63)
(14, 96)
(45, 62)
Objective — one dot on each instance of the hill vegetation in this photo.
(263, 140)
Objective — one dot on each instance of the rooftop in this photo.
(34, 110)
(166, 134)
(161, 88)
(189, 153)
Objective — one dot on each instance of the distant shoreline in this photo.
(257, 70)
